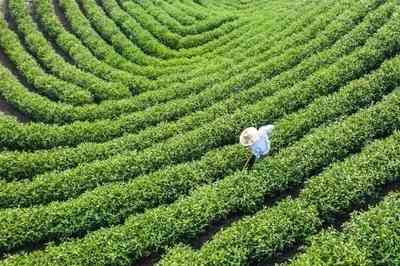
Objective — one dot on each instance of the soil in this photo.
(337, 223)
(60, 14)
(6, 108)
(282, 257)
(149, 260)
(219, 225)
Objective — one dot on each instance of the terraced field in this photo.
(119, 125)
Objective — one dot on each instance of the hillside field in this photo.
(120, 124)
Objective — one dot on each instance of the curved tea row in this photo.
(134, 109)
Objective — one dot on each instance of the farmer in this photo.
(258, 140)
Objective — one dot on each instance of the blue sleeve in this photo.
(258, 153)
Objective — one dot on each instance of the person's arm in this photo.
(267, 130)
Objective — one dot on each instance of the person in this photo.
(257, 140)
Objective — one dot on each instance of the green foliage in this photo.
(136, 108)
(320, 84)
(21, 165)
(342, 186)
(44, 83)
(108, 109)
(81, 55)
(41, 48)
(369, 238)
(242, 191)
(163, 17)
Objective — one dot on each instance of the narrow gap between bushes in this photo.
(337, 223)
(55, 46)
(269, 201)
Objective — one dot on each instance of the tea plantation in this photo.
(120, 124)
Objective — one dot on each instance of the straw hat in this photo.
(249, 136)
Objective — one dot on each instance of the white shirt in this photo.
(263, 144)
